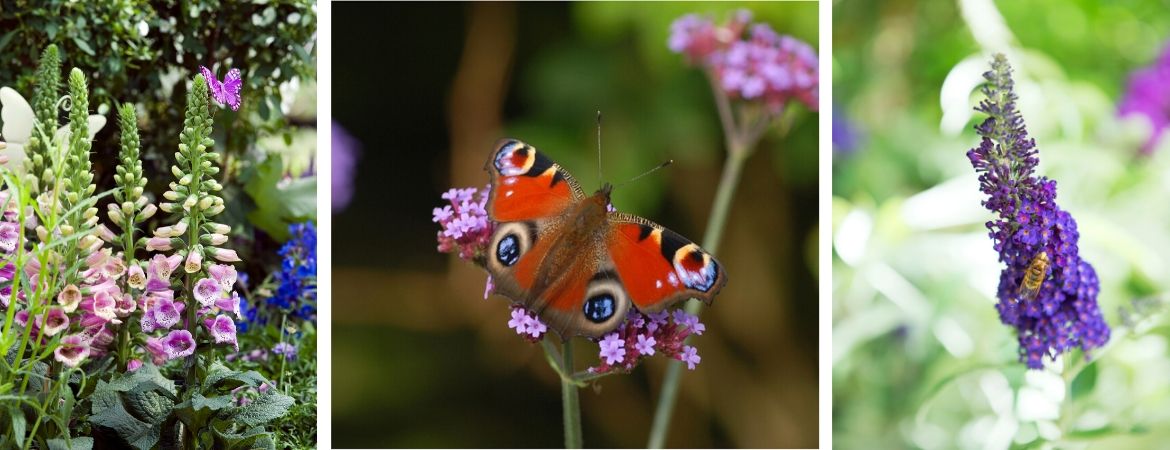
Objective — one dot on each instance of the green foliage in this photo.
(135, 405)
(280, 203)
(138, 49)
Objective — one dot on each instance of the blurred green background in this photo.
(920, 359)
(420, 359)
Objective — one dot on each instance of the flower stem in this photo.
(569, 400)
(718, 218)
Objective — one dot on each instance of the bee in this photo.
(1034, 277)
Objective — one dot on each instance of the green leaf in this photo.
(1085, 381)
(108, 412)
(19, 422)
(77, 443)
(263, 409)
(84, 46)
(280, 203)
(253, 438)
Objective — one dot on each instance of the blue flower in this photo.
(296, 290)
(1064, 313)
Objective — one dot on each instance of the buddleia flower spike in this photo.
(1061, 313)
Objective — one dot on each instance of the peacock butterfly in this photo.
(579, 266)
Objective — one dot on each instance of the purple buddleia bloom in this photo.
(1063, 313)
(1148, 95)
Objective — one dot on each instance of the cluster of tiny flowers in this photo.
(466, 226)
(1064, 313)
(644, 335)
(1148, 95)
(764, 66)
(285, 349)
(527, 324)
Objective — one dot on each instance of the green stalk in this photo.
(570, 402)
(739, 145)
(716, 221)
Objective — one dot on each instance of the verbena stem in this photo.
(738, 148)
(570, 402)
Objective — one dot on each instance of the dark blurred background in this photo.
(420, 359)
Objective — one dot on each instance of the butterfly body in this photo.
(575, 263)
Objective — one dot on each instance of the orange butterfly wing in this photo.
(658, 267)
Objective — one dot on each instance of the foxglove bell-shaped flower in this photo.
(223, 330)
(1063, 314)
(73, 350)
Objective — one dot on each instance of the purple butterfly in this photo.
(226, 92)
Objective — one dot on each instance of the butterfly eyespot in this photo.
(508, 250)
(600, 308)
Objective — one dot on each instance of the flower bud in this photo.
(224, 255)
(194, 260)
(206, 202)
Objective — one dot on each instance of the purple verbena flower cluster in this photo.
(765, 66)
(1148, 95)
(466, 225)
(1064, 313)
(643, 335)
(527, 324)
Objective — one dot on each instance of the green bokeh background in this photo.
(421, 360)
(920, 359)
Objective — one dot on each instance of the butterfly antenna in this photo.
(648, 172)
(599, 179)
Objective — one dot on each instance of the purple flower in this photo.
(133, 364)
(526, 324)
(690, 355)
(346, 151)
(1063, 314)
(465, 222)
(223, 329)
(73, 350)
(645, 345)
(54, 322)
(613, 348)
(206, 291)
(178, 344)
(1148, 95)
(288, 350)
(765, 66)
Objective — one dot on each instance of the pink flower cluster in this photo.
(643, 335)
(161, 311)
(527, 324)
(765, 66)
(465, 222)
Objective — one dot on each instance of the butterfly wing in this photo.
(231, 88)
(534, 256)
(213, 84)
(658, 267)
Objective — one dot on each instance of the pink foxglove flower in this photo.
(73, 350)
(54, 322)
(207, 291)
(133, 364)
(178, 344)
(223, 330)
(69, 298)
